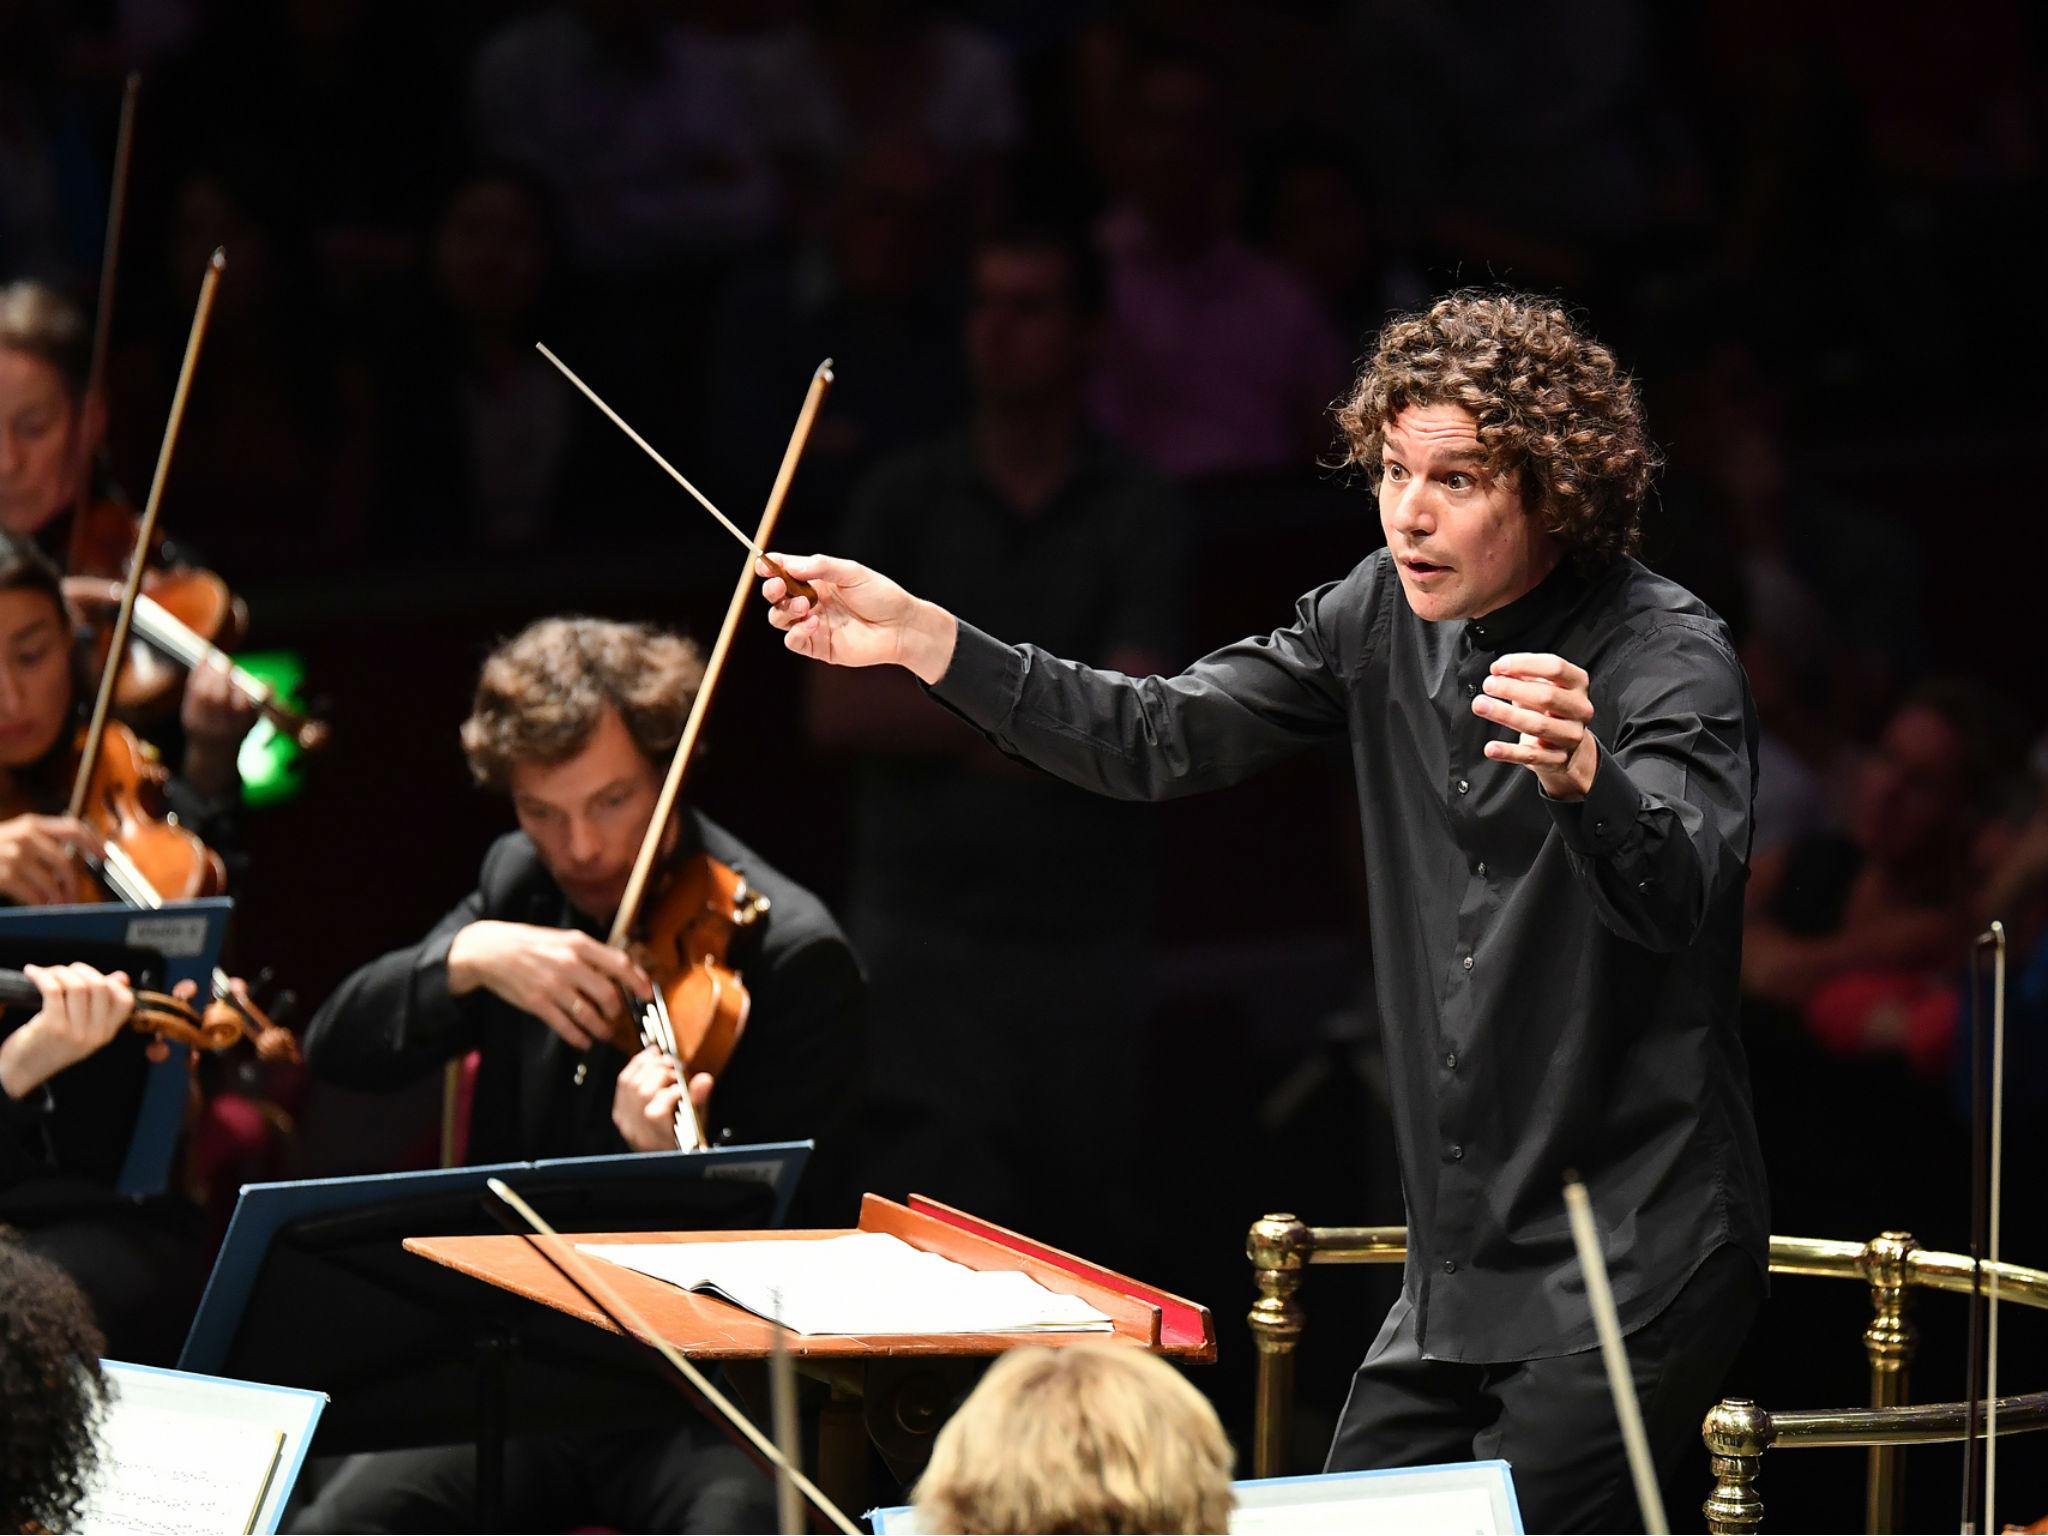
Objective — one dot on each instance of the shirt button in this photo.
(1599, 826)
(1481, 870)
(1465, 788)
(1450, 1266)
(1451, 1061)
(1466, 962)
(1457, 1154)
(1471, 690)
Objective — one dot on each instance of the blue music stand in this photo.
(179, 941)
(313, 1289)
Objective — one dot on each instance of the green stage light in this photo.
(269, 759)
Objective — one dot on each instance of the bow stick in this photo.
(103, 308)
(1607, 1323)
(689, 1129)
(561, 1253)
(145, 533)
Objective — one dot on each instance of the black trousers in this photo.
(682, 1476)
(1553, 1420)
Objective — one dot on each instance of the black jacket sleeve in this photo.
(798, 1071)
(394, 1019)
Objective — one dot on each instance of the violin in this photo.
(116, 780)
(148, 858)
(103, 537)
(167, 633)
(700, 1003)
(160, 1014)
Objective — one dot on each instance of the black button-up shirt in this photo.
(1557, 979)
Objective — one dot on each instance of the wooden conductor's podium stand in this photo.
(897, 1388)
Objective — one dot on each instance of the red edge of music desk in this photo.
(1185, 1328)
(711, 1328)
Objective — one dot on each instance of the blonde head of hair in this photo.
(1093, 1437)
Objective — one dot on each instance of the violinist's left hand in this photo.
(644, 1102)
(82, 1010)
(216, 716)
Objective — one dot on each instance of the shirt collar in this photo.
(1534, 614)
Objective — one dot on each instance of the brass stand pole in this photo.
(1737, 1433)
(1889, 1342)
(1278, 1247)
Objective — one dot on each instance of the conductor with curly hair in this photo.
(1555, 755)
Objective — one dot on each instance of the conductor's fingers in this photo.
(841, 573)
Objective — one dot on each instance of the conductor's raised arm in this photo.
(860, 617)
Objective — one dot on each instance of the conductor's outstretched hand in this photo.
(860, 618)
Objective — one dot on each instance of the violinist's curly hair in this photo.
(543, 692)
(1554, 410)
(52, 1392)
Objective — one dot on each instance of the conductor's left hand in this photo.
(1543, 699)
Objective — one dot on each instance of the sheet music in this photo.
(859, 1283)
(1342, 1512)
(163, 1473)
(181, 1452)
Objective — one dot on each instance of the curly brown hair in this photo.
(1554, 410)
(52, 1392)
(543, 692)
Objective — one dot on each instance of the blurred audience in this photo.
(877, 294)
(1218, 359)
(1851, 940)
(1092, 1437)
(642, 130)
(273, 455)
(970, 874)
(484, 447)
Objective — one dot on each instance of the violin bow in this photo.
(636, 887)
(1620, 1382)
(145, 532)
(103, 308)
(583, 1274)
(671, 788)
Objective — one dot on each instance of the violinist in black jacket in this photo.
(575, 720)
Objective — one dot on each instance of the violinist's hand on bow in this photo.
(37, 868)
(644, 1102)
(860, 619)
(82, 1010)
(216, 716)
(568, 980)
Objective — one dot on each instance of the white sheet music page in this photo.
(859, 1283)
(163, 1472)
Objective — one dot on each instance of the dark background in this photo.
(1809, 230)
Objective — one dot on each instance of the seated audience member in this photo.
(51, 1392)
(1088, 1438)
(1218, 359)
(1850, 947)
